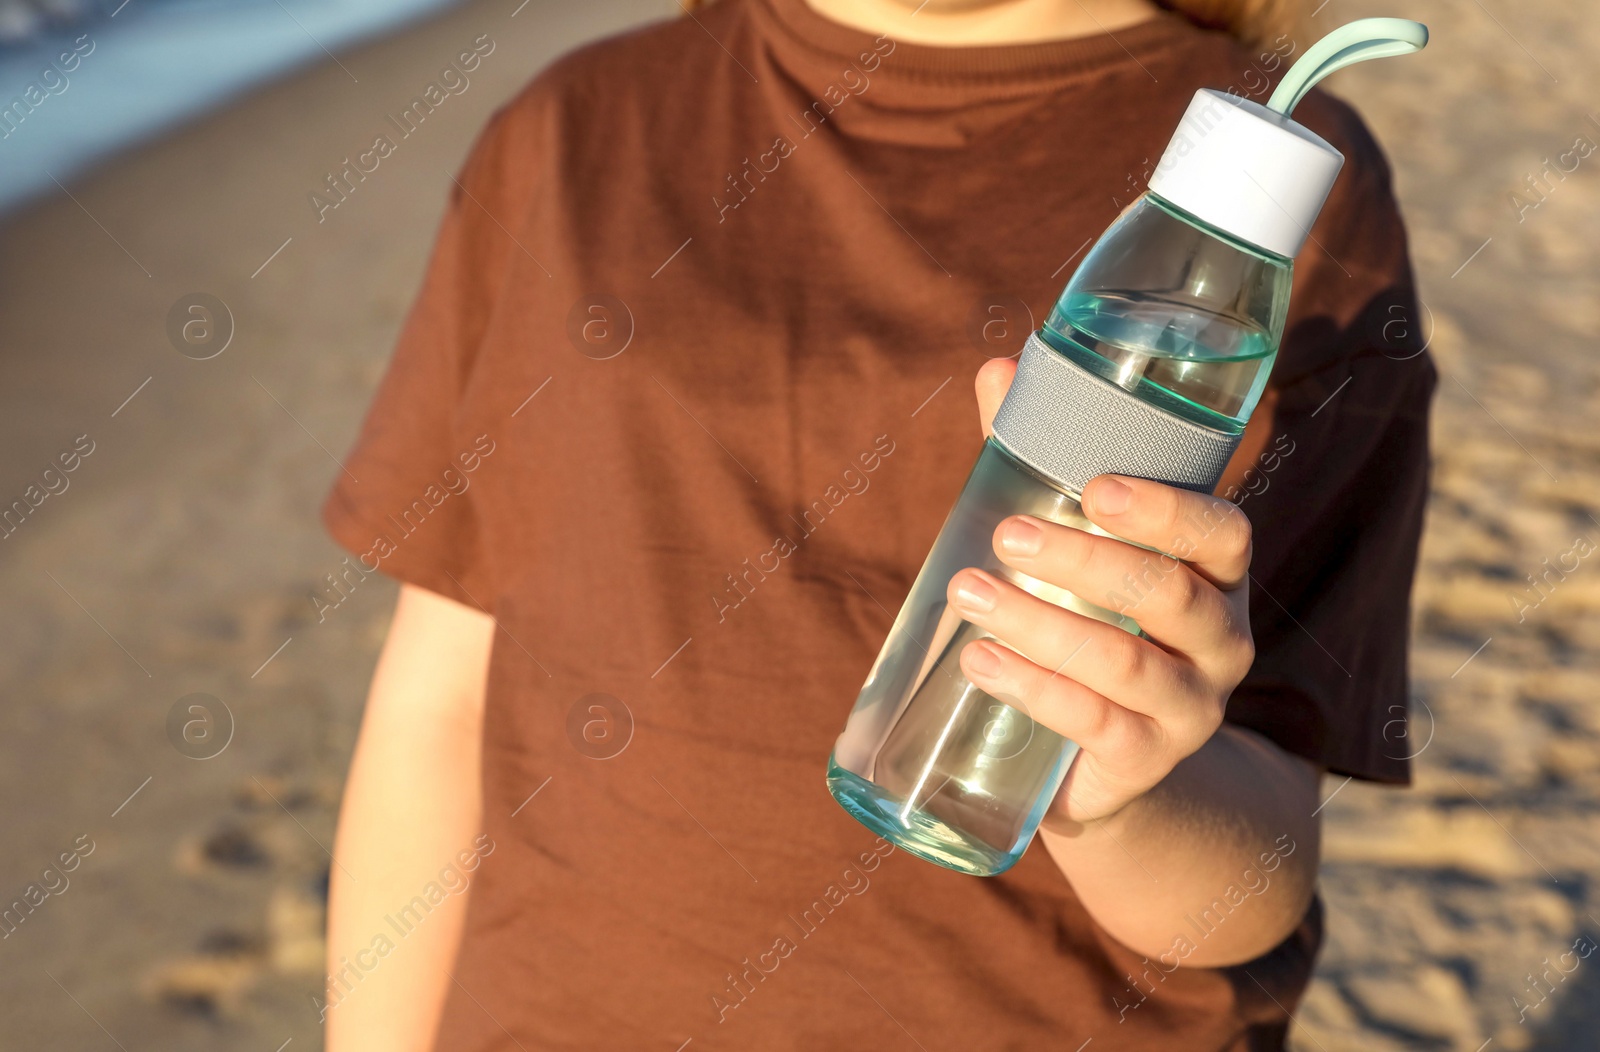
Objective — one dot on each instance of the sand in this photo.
(1445, 898)
(180, 556)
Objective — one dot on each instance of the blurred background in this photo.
(181, 329)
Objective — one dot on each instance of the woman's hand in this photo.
(1135, 707)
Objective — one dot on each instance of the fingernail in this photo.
(1021, 537)
(974, 594)
(1111, 497)
(982, 662)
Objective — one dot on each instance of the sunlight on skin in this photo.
(964, 23)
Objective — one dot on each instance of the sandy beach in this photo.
(178, 556)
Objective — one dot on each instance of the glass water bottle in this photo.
(1168, 321)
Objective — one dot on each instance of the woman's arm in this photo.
(411, 806)
(1214, 866)
(1187, 840)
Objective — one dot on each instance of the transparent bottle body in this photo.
(928, 760)
(1187, 320)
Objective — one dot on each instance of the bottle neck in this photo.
(1181, 213)
(1177, 313)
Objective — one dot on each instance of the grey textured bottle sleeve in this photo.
(1070, 425)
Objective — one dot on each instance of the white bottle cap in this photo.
(1248, 171)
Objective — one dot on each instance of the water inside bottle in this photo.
(948, 774)
(930, 761)
(1206, 367)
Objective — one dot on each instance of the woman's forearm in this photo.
(1214, 866)
(408, 843)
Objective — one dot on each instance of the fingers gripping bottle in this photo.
(1149, 365)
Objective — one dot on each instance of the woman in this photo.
(666, 437)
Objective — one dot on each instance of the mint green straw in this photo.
(1363, 39)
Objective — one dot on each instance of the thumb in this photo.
(991, 384)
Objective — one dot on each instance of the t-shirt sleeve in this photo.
(1338, 495)
(405, 502)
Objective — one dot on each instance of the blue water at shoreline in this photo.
(159, 63)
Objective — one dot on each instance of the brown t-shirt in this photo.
(683, 402)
